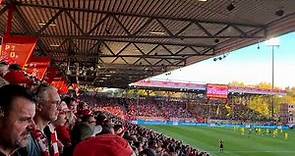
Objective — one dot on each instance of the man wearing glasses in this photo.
(44, 140)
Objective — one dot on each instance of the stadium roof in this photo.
(196, 87)
(126, 40)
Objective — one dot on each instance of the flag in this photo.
(37, 66)
(17, 49)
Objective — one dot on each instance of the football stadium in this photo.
(147, 78)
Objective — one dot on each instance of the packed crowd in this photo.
(116, 106)
(168, 110)
(144, 108)
(147, 109)
(36, 121)
(236, 112)
(174, 109)
(159, 109)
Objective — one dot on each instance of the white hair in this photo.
(43, 91)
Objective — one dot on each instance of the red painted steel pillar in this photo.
(11, 9)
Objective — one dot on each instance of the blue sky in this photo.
(249, 65)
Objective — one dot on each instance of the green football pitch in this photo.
(235, 144)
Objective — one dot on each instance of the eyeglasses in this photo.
(56, 103)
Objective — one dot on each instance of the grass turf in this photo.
(235, 144)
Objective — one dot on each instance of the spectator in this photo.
(119, 130)
(63, 132)
(44, 141)
(71, 102)
(3, 82)
(106, 125)
(100, 119)
(14, 68)
(62, 129)
(3, 68)
(17, 109)
(81, 131)
(104, 145)
(3, 71)
(72, 106)
(16, 75)
(91, 122)
(147, 152)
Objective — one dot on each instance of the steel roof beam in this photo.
(75, 23)
(131, 65)
(3, 10)
(111, 36)
(50, 21)
(163, 56)
(135, 15)
(97, 38)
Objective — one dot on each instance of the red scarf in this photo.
(41, 139)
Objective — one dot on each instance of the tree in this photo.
(261, 105)
(236, 84)
(263, 85)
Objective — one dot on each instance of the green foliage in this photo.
(260, 105)
(263, 85)
(237, 84)
(289, 98)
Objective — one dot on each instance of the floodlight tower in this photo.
(273, 42)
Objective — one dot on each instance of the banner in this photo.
(37, 66)
(64, 88)
(217, 91)
(61, 86)
(52, 74)
(213, 125)
(17, 49)
(165, 84)
(221, 88)
(55, 84)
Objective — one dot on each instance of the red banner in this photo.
(56, 84)
(61, 85)
(165, 84)
(37, 66)
(217, 91)
(17, 49)
(64, 88)
(51, 75)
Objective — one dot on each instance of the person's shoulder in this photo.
(33, 148)
(21, 152)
